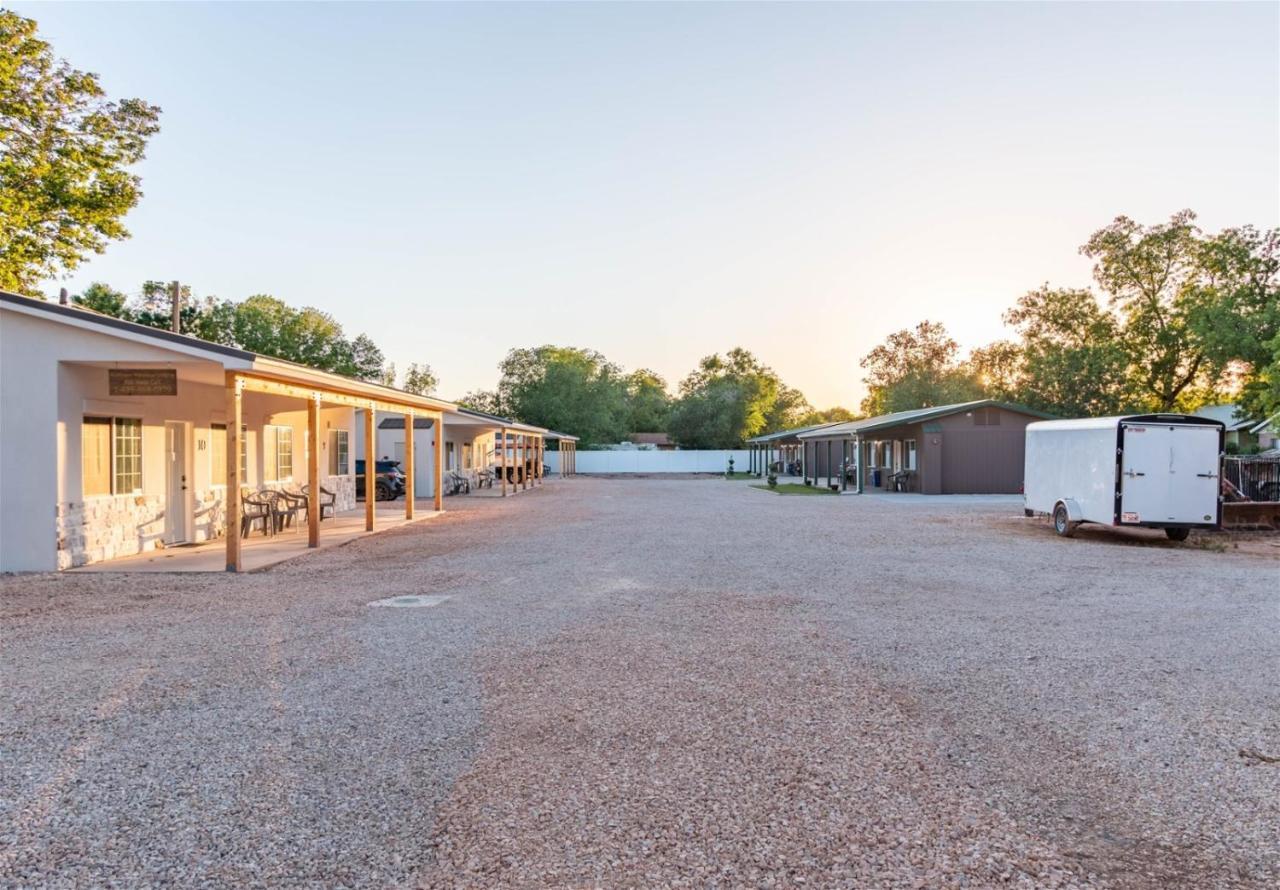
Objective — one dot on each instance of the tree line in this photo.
(1181, 318)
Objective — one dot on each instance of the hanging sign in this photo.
(142, 381)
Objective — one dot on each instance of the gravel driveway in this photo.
(655, 682)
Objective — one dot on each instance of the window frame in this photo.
(115, 456)
(339, 450)
(216, 479)
(272, 448)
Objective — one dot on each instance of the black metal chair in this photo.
(328, 500)
(256, 508)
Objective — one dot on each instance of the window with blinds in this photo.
(339, 453)
(218, 453)
(280, 453)
(95, 455)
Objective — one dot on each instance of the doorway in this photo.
(177, 513)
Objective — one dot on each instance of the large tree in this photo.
(565, 388)
(420, 379)
(66, 154)
(916, 368)
(729, 399)
(648, 403)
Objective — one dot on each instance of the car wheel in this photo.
(1177, 534)
(1062, 523)
(384, 493)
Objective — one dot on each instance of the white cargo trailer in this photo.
(1148, 470)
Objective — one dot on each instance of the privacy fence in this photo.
(653, 461)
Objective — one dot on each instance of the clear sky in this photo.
(660, 182)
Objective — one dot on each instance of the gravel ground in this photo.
(655, 682)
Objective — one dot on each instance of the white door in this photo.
(1169, 473)
(176, 510)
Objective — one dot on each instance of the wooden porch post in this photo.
(438, 481)
(313, 470)
(410, 435)
(370, 469)
(857, 446)
(844, 464)
(828, 463)
(232, 506)
(502, 458)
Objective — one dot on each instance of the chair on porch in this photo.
(328, 500)
(458, 483)
(289, 504)
(256, 508)
(484, 478)
(901, 480)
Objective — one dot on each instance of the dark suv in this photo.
(389, 480)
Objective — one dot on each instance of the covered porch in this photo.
(259, 551)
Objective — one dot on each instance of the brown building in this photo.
(969, 448)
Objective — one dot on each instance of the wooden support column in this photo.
(844, 464)
(502, 458)
(235, 414)
(828, 463)
(437, 482)
(857, 448)
(542, 455)
(410, 435)
(524, 462)
(370, 469)
(313, 470)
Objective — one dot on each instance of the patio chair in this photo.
(288, 505)
(328, 500)
(459, 484)
(255, 508)
(485, 478)
(901, 480)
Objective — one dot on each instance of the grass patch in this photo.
(737, 475)
(795, 488)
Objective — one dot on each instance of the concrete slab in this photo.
(260, 551)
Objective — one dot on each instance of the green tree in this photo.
(65, 158)
(565, 388)
(104, 299)
(916, 369)
(1073, 361)
(420, 379)
(648, 403)
(484, 400)
(729, 399)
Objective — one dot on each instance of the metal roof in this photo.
(784, 434)
(918, 415)
(1110, 423)
(1230, 416)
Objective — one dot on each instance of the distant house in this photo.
(1268, 433)
(967, 448)
(1242, 431)
(660, 441)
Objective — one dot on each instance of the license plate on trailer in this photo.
(1130, 517)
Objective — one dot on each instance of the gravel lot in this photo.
(656, 682)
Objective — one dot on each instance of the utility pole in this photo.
(62, 296)
(175, 293)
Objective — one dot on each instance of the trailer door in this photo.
(1169, 474)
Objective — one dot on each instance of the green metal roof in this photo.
(788, 434)
(918, 415)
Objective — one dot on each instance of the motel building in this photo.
(118, 439)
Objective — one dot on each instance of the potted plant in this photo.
(729, 475)
(772, 479)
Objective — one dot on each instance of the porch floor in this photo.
(258, 551)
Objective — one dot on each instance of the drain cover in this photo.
(418, 601)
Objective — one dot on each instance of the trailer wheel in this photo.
(1062, 523)
(1177, 534)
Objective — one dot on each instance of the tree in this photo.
(1000, 370)
(725, 401)
(837, 414)
(102, 298)
(1073, 359)
(420, 379)
(565, 388)
(916, 369)
(648, 403)
(65, 158)
(483, 400)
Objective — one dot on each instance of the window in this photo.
(127, 442)
(339, 453)
(467, 458)
(244, 454)
(911, 454)
(449, 458)
(218, 453)
(986, 417)
(279, 453)
(95, 455)
(111, 455)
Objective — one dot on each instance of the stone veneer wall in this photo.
(110, 527)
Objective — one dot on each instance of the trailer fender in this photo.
(1074, 513)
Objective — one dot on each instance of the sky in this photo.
(659, 182)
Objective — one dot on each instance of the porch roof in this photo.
(231, 358)
(918, 415)
(791, 433)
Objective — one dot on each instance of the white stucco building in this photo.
(115, 437)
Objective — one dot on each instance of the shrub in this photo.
(772, 480)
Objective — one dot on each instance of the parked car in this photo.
(389, 480)
(1151, 470)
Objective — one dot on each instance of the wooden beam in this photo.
(438, 465)
(269, 386)
(409, 439)
(502, 458)
(235, 416)
(370, 468)
(313, 471)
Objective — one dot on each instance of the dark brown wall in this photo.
(982, 459)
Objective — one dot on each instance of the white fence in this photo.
(653, 461)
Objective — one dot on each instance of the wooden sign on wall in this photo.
(142, 381)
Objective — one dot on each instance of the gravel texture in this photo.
(644, 682)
